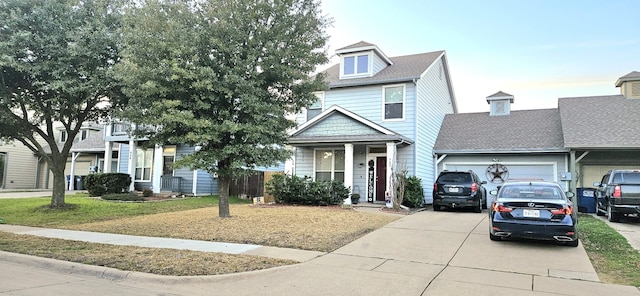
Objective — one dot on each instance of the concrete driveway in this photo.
(428, 253)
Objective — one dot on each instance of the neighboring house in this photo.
(380, 115)
(86, 157)
(18, 166)
(152, 167)
(573, 144)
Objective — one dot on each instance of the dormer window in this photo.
(356, 65)
(63, 136)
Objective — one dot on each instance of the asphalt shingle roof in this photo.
(600, 122)
(404, 68)
(524, 130)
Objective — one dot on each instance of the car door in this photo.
(600, 192)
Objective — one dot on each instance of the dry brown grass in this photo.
(309, 228)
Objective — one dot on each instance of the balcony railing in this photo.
(120, 128)
(171, 183)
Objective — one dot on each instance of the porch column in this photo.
(72, 172)
(133, 156)
(156, 176)
(290, 163)
(348, 171)
(108, 151)
(391, 168)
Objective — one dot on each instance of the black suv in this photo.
(457, 189)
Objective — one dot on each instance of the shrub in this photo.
(108, 183)
(147, 192)
(302, 190)
(413, 192)
(130, 196)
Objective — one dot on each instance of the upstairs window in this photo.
(355, 65)
(393, 102)
(316, 108)
(84, 134)
(63, 136)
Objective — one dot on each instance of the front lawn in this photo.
(610, 253)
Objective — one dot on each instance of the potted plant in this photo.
(355, 198)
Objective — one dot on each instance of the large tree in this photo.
(56, 63)
(221, 75)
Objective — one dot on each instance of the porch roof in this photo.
(337, 125)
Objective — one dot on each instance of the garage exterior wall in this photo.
(595, 164)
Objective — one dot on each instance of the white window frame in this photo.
(404, 102)
(333, 162)
(84, 134)
(63, 136)
(355, 65)
(320, 95)
(140, 165)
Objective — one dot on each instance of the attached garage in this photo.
(594, 173)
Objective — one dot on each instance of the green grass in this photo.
(610, 253)
(83, 209)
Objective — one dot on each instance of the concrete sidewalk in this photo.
(169, 243)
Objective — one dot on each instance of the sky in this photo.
(536, 50)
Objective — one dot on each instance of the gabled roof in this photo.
(404, 68)
(364, 46)
(520, 131)
(500, 96)
(337, 125)
(600, 122)
(633, 76)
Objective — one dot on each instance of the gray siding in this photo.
(123, 158)
(21, 166)
(433, 102)
(339, 124)
(304, 161)
(378, 64)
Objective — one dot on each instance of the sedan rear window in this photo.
(537, 192)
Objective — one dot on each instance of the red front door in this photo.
(381, 177)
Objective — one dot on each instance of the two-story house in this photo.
(151, 167)
(380, 115)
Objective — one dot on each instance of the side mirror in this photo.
(596, 184)
(493, 192)
(570, 194)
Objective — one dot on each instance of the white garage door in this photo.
(594, 173)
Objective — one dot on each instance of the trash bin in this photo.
(586, 200)
(78, 185)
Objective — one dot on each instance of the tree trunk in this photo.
(223, 200)
(59, 187)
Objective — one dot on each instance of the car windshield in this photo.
(531, 191)
(455, 178)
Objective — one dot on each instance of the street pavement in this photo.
(427, 253)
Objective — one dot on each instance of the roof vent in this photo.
(630, 85)
(500, 103)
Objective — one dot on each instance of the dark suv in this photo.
(457, 189)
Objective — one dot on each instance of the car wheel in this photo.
(573, 243)
(611, 216)
(494, 237)
(436, 208)
(478, 209)
(599, 210)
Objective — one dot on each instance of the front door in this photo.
(381, 178)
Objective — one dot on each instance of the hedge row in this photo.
(302, 190)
